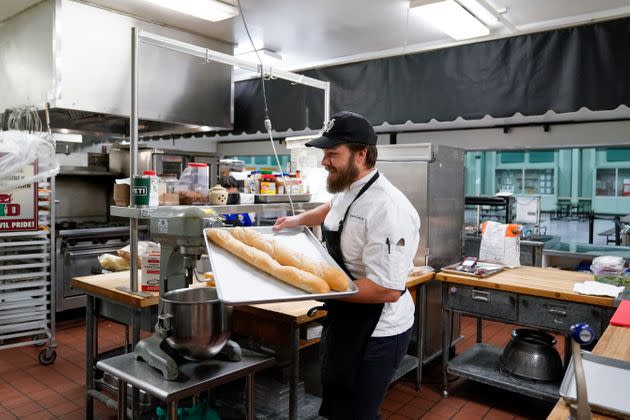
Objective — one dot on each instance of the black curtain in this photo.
(560, 70)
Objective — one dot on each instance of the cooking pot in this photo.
(195, 322)
(531, 355)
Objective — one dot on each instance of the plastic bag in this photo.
(113, 262)
(501, 244)
(144, 248)
(18, 149)
(607, 264)
(197, 412)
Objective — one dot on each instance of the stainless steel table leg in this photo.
(172, 410)
(446, 345)
(122, 399)
(479, 330)
(249, 383)
(135, 392)
(294, 372)
(567, 350)
(89, 356)
(421, 320)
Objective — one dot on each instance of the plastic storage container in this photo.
(193, 184)
(168, 193)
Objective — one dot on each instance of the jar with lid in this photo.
(193, 184)
(280, 184)
(168, 195)
(145, 189)
(268, 184)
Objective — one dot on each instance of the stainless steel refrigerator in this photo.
(432, 178)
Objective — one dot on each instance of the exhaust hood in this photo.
(77, 58)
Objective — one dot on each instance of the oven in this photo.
(77, 250)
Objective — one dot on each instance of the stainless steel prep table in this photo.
(530, 296)
(194, 378)
(104, 299)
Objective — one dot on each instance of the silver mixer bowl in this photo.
(200, 323)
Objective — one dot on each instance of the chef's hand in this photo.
(286, 223)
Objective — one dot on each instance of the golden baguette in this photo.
(335, 277)
(259, 259)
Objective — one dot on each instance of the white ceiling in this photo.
(309, 33)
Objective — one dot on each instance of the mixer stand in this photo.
(158, 354)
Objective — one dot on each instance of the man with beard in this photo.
(372, 231)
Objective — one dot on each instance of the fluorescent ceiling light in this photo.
(479, 10)
(212, 10)
(449, 17)
(269, 58)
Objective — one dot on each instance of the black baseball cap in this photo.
(345, 127)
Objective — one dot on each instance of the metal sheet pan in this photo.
(240, 283)
(490, 269)
(606, 384)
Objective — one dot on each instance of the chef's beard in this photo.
(341, 179)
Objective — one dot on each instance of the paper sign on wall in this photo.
(18, 207)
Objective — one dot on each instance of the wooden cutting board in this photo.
(534, 281)
(105, 286)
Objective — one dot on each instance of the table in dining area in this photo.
(530, 296)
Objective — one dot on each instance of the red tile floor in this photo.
(29, 390)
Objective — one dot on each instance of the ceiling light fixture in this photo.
(449, 17)
(268, 57)
(212, 10)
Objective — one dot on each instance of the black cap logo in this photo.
(329, 126)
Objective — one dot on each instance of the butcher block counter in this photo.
(540, 298)
(105, 286)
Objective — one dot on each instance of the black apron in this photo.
(347, 329)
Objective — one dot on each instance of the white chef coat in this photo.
(379, 241)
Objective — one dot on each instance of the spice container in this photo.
(280, 184)
(268, 184)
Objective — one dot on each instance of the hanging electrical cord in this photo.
(268, 125)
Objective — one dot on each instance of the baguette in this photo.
(261, 260)
(335, 277)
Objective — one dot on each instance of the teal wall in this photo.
(574, 172)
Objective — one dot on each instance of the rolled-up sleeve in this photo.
(390, 246)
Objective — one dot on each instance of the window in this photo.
(605, 182)
(539, 181)
(623, 182)
(509, 180)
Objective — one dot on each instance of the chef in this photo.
(371, 229)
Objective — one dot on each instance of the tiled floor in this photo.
(29, 390)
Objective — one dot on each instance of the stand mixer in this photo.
(179, 230)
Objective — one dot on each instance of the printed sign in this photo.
(18, 207)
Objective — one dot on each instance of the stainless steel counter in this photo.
(145, 213)
(194, 377)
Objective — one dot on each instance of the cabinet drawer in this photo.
(492, 303)
(559, 315)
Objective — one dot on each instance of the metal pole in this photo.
(133, 159)
(326, 103)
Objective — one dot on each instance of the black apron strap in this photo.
(347, 329)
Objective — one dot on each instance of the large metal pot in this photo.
(531, 355)
(195, 322)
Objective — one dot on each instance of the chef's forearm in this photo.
(370, 292)
(314, 217)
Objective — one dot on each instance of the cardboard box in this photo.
(150, 272)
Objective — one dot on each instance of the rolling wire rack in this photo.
(27, 312)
